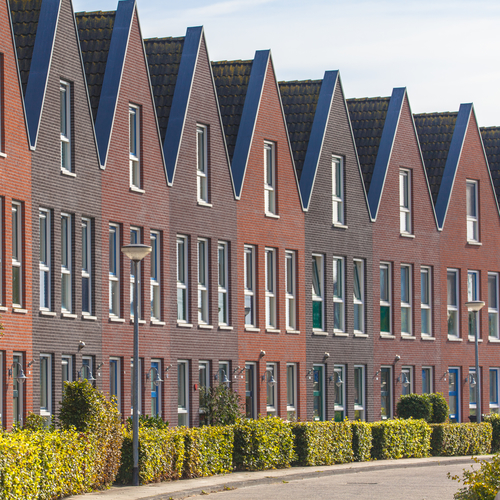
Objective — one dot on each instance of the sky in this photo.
(445, 52)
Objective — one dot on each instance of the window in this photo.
(493, 390)
(338, 190)
(182, 280)
(427, 380)
(339, 379)
(135, 145)
(359, 393)
(318, 292)
(406, 380)
(223, 375)
(404, 201)
(318, 393)
(452, 301)
(291, 391)
(338, 294)
(202, 170)
(270, 177)
(17, 388)
(493, 305)
(66, 263)
(65, 105)
(359, 296)
(135, 237)
(46, 387)
(2, 124)
(2, 369)
(454, 394)
(17, 255)
(406, 315)
(155, 276)
(182, 393)
(425, 301)
(114, 270)
(386, 392)
(385, 298)
(203, 281)
(155, 373)
(2, 232)
(223, 287)
(250, 394)
(271, 381)
(290, 290)
(249, 270)
(87, 368)
(270, 288)
(66, 369)
(472, 212)
(473, 294)
(45, 241)
(139, 405)
(204, 385)
(86, 266)
(115, 381)
(473, 385)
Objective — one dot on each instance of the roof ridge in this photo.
(164, 39)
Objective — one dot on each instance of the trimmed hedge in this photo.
(494, 420)
(440, 408)
(461, 439)
(266, 443)
(361, 441)
(416, 406)
(401, 439)
(323, 443)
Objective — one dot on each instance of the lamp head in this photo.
(474, 305)
(136, 251)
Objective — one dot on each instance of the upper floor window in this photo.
(472, 212)
(452, 302)
(45, 241)
(17, 254)
(66, 263)
(270, 177)
(385, 298)
(249, 271)
(114, 270)
(135, 237)
(493, 305)
(473, 294)
(425, 301)
(271, 287)
(406, 299)
(182, 279)
(223, 287)
(338, 294)
(155, 276)
(202, 164)
(290, 289)
(338, 190)
(65, 108)
(318, 292)
(134, 146)
(2, 124)
(359, 296)
(404, 201)
(86, 266)
(202, 281)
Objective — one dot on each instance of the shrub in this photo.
(266, 443)
(148, 422)
(461, 439)
(34, 422)
(401, 439)
(161, 455)
(361, 441)
(209, 451)
(440, 408)
(221, 405)
(414, 406)
(494, 420)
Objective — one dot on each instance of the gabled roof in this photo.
(491, 141)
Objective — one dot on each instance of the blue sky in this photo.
(444, 52)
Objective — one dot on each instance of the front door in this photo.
(454, 394)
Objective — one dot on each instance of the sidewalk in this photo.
(188, 487)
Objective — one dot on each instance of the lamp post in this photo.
(136, 252)
(475, 306)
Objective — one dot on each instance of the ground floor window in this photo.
(250, 394)
(493, 390)
(291, 391)
(155, 379)
(182, 393)
(46, 387)
(386, 392)
(204, 385)
(318, 393)
(339, 379)
(139, 406)
(271, 381)
(473, 385)
(17, 388)
(359, 393)
(426, 380)
(406, 380)
(114, 381)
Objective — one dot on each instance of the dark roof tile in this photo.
(491, 141)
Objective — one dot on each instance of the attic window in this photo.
(472, 212)
(65, 107)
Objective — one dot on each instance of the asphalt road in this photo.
(417, 483)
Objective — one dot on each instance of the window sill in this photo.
(273, 330)
(155, 322)
(205, 326)
(494, 340)
(293, 332)
(454, 339)
(320, 333)
(387, 336)
(361, 335)
(135, 189)
(225, 327)
(339, 226)
(19, 310)
(474, 243)
(427, 337)
(202, 203)
(140, 322)
(51, 314)
(89, 317)
(405, 336)
(67, 173)
(68, 315)
(272, 216)
(407, 235)
(473, 339)
(252, 329)
(184, 325)
(340, 334)
(3, 309)
(116, 319)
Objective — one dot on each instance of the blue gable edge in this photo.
(40, 65)
(385, 150)
(180, 100)
(450, 168)
(317, 136)
(248, 118)
(112, 77)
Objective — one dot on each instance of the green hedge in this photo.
(494, 420)
(401, 439)
(266, 443)
(361, 441)
(461, 439)
(323, 443)
(480, 483)
(209, 451)
(416, 406)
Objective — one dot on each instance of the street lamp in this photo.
(136, 252)
(475, 306)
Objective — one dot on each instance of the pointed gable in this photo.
(491, 142)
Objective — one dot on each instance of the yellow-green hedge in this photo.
(461, 439)
(323, 443)
(401, 439)
(361, 441)
(494, 420)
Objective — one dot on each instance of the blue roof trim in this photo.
(180, 101)
(249, 118)
(451, 166)
(317, 136)
(112, 77)
(385, 150)
(40, 65)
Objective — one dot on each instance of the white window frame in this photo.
(472, 390)
(407, 305)
(67, 268)
(473, 293)
(87, 361)
(203, 281)
(338, 190)
(114, 271)
(117, 362)
(270, 177)
(426, 300)
(182, 279)
(339, 371)
(66, 360)
(453, 309)
(494, 405)
(139, 410)
(87, 263)
(359, 302)
(271, 307)
(430, 371)
(134, 146)
(17, 251)
(472, 215)
(65, 125)
(135, 237)
(46, 410)
(45, 264)
(155, 275)
(320, 265)
(290, 290)
(183, 410)
(339, 294)
(271, 390)
(17, 357)
(223, 282)
(291, 391)
(202, 163)
(383, 302)
(408, 371)
(249, 284)
(359, 407)
(493, 309)
(405, 201)
(204, 384)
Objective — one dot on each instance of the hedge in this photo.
(400, 439)
(461, 439)
(266, 443)
(323, 443)
(416, 406)
(480, 483)
(494, 420)
(361, 441)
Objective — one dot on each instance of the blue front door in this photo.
(454, 394)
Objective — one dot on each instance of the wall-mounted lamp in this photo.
(404, 379)
(225, 380)
(308, 374)
(81, 373)
(157, 381)
(377, 374)
(99, 366)
(248, 310)
(327, 355)
(166, 370)
(21, 377)
(81, 345)
(339, 380)
(397, 358)
(238, 371)
(471, 380)
(262, 354)
(31, 362)
(271, 381)
(445, 374)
